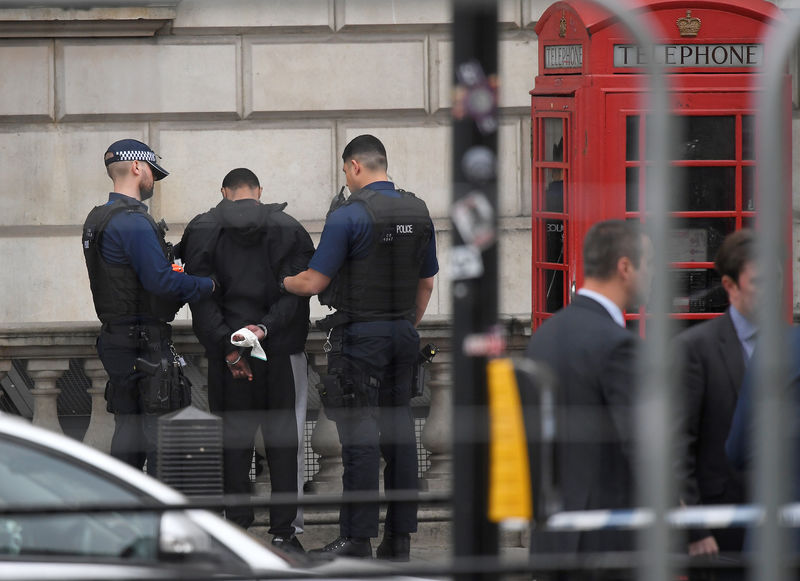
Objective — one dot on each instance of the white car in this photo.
(53, 525)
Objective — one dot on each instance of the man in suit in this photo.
(713, 356)
(592, 357)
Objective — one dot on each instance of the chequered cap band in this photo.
(132, 155)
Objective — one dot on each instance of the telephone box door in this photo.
(553, 240)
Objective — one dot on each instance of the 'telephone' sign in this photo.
(690, 55)
(569, 56)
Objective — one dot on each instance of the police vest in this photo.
(383, 284)
(116, 290)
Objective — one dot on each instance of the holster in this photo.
(347, 387)
(163, 387)
(418, 380)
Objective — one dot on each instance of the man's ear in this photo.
(728, 283)
(624, 267)
(260, 190)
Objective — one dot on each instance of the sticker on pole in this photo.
(473, 217)
(465, 263)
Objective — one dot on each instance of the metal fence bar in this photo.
(654, 407)
(772, 475)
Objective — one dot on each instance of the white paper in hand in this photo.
(250, 340)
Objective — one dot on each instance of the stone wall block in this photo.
(443, 291)
(51, 285)
(154, 79)
(363, 13)
(314, 77)
(54, 174)
(293, 165)
(515, 270)
(518, 63)
(26, 92)
(209, 16)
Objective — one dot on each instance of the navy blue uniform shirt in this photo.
(129, 238)
(348, 234)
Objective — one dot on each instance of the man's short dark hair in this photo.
(607, 242)
(369, 151)
(241, 176)
(736, 251)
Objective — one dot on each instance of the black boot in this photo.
(289, 544)
(394, 546)
(348, 547)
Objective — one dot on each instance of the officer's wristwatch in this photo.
(263, 328)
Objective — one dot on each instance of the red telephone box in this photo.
(589, 156)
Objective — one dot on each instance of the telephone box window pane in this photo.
(748, 137)
(705, 189)
(698, 290)
(632, 189)
(553, 139)
(632, 138)
(748, 222)
(554, 290)
(707, 137)
(554, 241)
(748, 188)
(554, 190)
(698, 239)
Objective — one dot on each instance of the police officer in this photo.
(375, 261)
(248, 245)
(136, 292)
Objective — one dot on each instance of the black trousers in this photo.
(274, 401)
(135, 432)
(387, 350)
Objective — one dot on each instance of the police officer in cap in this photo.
(136, 292)
(375, 262)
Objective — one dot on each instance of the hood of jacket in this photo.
(246, 220)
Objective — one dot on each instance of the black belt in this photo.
(135, 335)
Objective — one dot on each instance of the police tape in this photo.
(708, 517)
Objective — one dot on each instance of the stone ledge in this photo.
(116, 21)
(77, 339)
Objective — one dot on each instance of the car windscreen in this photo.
(32, 478)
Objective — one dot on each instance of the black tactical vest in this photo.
(383, 284)
(116, 290)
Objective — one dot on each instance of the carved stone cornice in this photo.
(116, 18)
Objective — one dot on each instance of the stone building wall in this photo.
(279, 86)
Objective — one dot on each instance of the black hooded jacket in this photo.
(249, 247)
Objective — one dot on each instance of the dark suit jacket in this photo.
(712, 364)
(592, 359)
(740, 446)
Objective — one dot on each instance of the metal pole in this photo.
(474, 269)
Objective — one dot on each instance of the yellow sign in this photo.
(509, 467)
